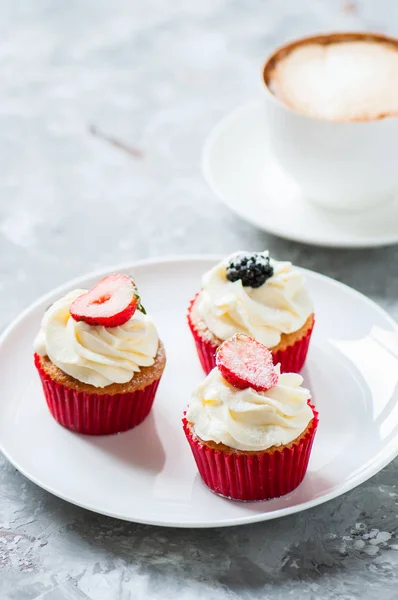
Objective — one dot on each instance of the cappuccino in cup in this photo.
(338, 78)
(332, 112)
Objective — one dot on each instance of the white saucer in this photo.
(240, 169)
(148, 474)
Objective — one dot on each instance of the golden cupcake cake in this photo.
(99, 358)
(250, 428)
(253, 294)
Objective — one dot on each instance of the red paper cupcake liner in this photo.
(206, 349)
(249, 477)
(96, 414)
(291, 359)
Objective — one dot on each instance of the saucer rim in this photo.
(312, 240)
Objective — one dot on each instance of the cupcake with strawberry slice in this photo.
(251, 293)
(250, 428)
(99, 358)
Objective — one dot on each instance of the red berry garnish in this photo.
(244, 363)
(110, 303)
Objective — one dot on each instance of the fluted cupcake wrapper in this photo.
(96, 414)
(253, 476)
(291, 359)
(206, 349)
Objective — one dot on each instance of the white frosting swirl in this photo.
(99, 355)
(247, 419)
(280, 305)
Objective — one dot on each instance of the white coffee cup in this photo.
(339, 164)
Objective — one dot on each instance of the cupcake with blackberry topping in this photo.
(99, 358)
(250, 428)
(253, 294)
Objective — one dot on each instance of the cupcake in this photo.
(252, 294)
(99, 358)
(250, 428)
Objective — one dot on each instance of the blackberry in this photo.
(252, 268)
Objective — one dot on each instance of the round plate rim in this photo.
(312, 240)
(385, 456)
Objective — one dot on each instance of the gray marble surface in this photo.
(155, 76)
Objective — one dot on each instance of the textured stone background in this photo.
(157, 75)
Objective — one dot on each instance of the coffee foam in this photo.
(339, 80)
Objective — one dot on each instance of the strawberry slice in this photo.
(244, 363)
(110, 303)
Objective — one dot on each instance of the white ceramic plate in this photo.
(148, 474)
(240, 169)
